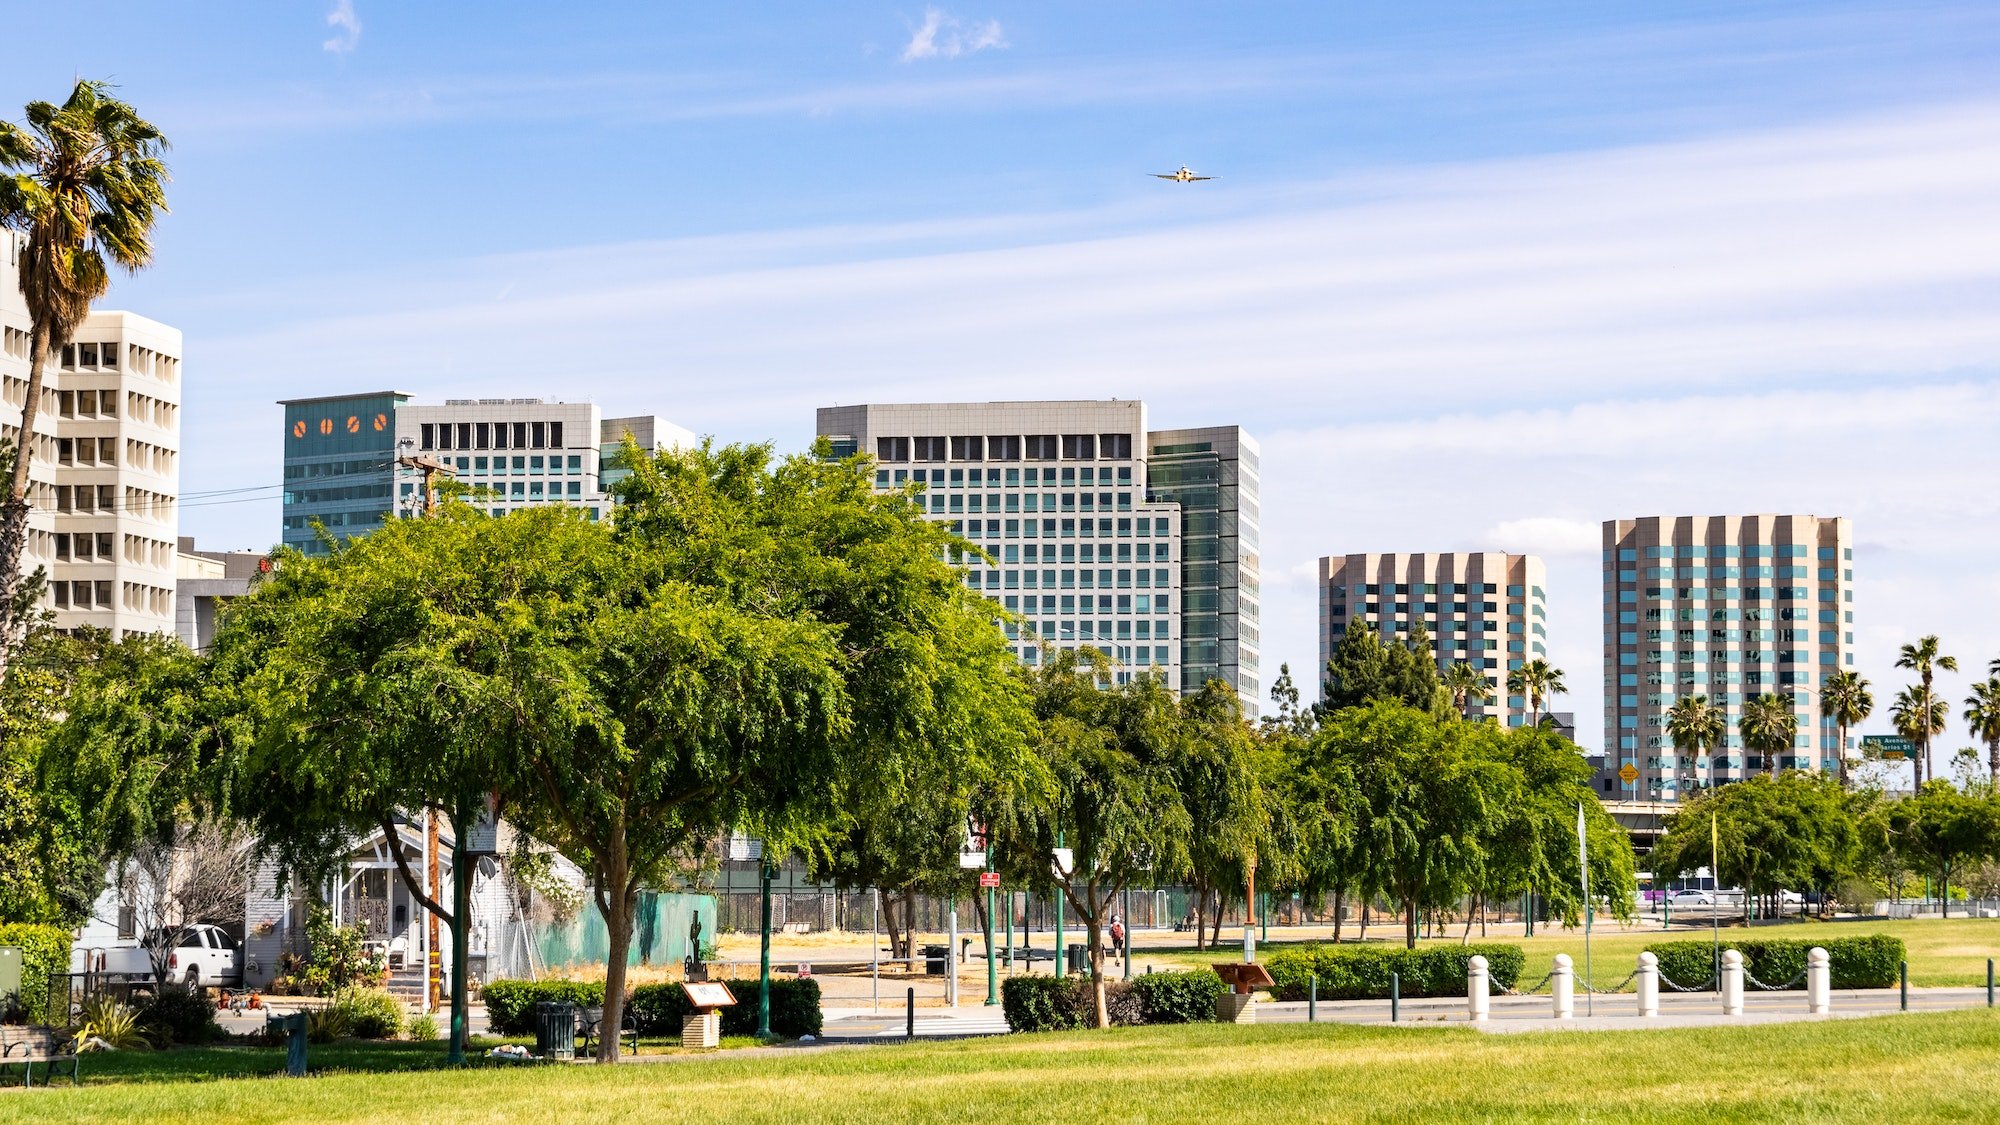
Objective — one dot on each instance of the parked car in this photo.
(198, 956)
(1692, 898)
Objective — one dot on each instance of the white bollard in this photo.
(1476, 992)
(1648, 978)
(1732, 983)
(1562, 986)
(1819, 982)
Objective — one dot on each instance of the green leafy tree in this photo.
(1845, 699)
(1215, 763)
(1795, 831)
(1926, 659)
(51, 863)
(1539, 681)
(1695, 725)
(1112, 801)
(766, 646)
(1982, 718)
(1942, 829)
(85, 181)
(1530, 837)
(1365, 668)
(1769, 727)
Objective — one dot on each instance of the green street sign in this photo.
(1893, 747)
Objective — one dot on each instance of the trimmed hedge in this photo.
(1361, 972)
(1066, 1004)
(44, 951)
(180, 1016)
(510, 1004)
(1869, 961)
(1179, 997)
(657, 1009)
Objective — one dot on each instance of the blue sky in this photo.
(1478, 275)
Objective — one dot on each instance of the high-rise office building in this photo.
(1730, 607)
(341, 452)
(1088, 542)
(1484, 608)
(1212, 473)
(104, 482)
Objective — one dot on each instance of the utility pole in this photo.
(430, 467)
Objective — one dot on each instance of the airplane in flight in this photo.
(1184, 176)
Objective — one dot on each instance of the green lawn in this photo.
(1906, 1068)
(1942, 951)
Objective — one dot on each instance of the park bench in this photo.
(26, 1046)
(590, 1024)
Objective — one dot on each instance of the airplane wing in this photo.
(1201, 177)
(1163, 175)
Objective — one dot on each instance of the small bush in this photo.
(324, 1025)
(1867, 961)
(44, 951)
(657, 1009)
(510, 1004)
(1049, 1004)
(421, 1028)
(112, 1022)
(178, 1015)
(1179, 997)
(371, 1012)
(1361, 972)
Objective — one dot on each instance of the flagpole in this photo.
(1583, 858)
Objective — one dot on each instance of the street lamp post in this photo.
(1062, 878)
(764, 957)
(992, 962)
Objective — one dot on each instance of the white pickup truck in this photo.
(198, 956)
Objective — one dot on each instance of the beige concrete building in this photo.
(1089, 518)
(1730, 607)
(1487, 608)
(105, 478)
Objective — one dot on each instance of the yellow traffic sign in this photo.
(1628, 773)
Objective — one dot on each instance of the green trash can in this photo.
(555, 1029)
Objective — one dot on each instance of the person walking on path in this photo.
(1117, 937)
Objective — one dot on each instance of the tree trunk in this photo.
(14, 511)
(1364, 919)
(1198, 906)
(1215, 940)
(1482, 914)
(1466, 937)
(1338, 909)
(909, 924)
(461, 932)
(1100, 1011)
(618, 922)
(1410, 923)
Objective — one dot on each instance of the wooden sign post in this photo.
(701, 1029)
(1243, 978)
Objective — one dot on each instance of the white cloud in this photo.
(347, 28)
(944, 36)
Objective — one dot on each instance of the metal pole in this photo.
(1010, 933)
(992, 961)
(1395, 997)
(1062, 877)
(875, 947)
(1989, 982)
(1312, 999)
(764, 960)
(951, 953)
(910, 1015)
(1903, 976)
(1126, 897)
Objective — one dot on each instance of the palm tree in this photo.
(1924, 658)
(1467, 684)
(85, 182)
(1982, 715)
(1846, 700)
(1769, 727)
(1919, 717)
(1695, 725)
(1537, 680)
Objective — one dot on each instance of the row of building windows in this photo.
(1067, 477)
(1724, 613)
(15, 342)
(1361, 588)
(373, 518)
(1069, 580)
(1728, 551)
(1065, 529)
(1729, 636)
(491, 435)
(1732, 594)
(1089, 630)
(1018, 502)
(1005, 447)
(1825, 573)
(1340, 609)
(1141, 655)
(1072, 553)
(103, 356)
(105, 546)
(558, 464)
(522, 489)
(102, 594)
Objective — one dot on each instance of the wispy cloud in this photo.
(347, 28)
(942, 36)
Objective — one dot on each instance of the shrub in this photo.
(1867, 961)
(421, 1028)
(179, 1015)
(510, 1004)
(117, 1025)
(1178, 997)
(44, 952)
(1361, 972)
(657, 1009)
(324, 1025)
(371, 1012)
(337, 957)
(1049, 1004)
